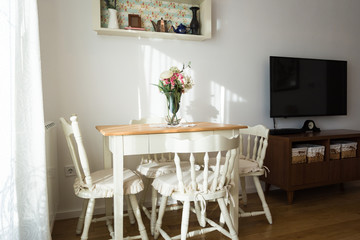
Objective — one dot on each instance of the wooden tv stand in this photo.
(291, 177)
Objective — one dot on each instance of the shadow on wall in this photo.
(200, 103)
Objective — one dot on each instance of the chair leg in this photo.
(185, 220)
(136, 209)
(262, 198)
(129, 209)
(109, 202)
(221, 220)
(88, 218)
(147, 184)
(160, 216)
(243, 190)
(80, 223)
(153, 211)
(226, 215)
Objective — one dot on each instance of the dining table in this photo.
(120, 141)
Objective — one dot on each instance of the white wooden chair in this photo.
(253, 144)
(152, 166)
(199, 186)
(99, 184)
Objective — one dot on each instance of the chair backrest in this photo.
(253, 143)
(152, 157)
(77, 150)
(207, 145)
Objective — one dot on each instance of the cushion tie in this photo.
(267, 170)
(200, 198)
(228, 197)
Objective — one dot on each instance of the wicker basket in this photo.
(335, 150)
(298, 155)
(314, 153)
(348, 149)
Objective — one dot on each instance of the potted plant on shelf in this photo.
(113, 20)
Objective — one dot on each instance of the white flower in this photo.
(174, 70)
(166, 74)
(188, 83)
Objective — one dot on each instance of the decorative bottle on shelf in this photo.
(194, 25)
(113, 20)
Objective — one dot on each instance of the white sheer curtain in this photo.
(23, 192)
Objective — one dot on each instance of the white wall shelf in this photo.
(205, 23)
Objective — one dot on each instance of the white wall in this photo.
(107, 79)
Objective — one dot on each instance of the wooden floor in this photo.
(321, 213)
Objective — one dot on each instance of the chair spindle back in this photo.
(74, 141)
(211, 144)
(255, 141)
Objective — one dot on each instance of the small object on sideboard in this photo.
(309, 125)
(285, 131)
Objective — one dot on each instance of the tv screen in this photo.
(307, 87)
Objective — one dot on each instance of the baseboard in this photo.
(76, 213)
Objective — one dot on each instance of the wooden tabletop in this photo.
(139, 129)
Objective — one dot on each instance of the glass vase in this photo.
(173, 105)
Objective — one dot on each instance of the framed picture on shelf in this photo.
(134, 21)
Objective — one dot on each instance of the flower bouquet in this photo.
(173, 83)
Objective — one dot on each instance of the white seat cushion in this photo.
(103, 184)
(157, 169)
(246, 166)
(167, 184)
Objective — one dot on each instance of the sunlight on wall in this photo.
(139, 101)
(218, 24)
(221, 99)
(151, 101)
(147, 99)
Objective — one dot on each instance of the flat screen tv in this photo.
(307, 87)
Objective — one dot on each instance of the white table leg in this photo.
(117, 146)
(107, 164)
